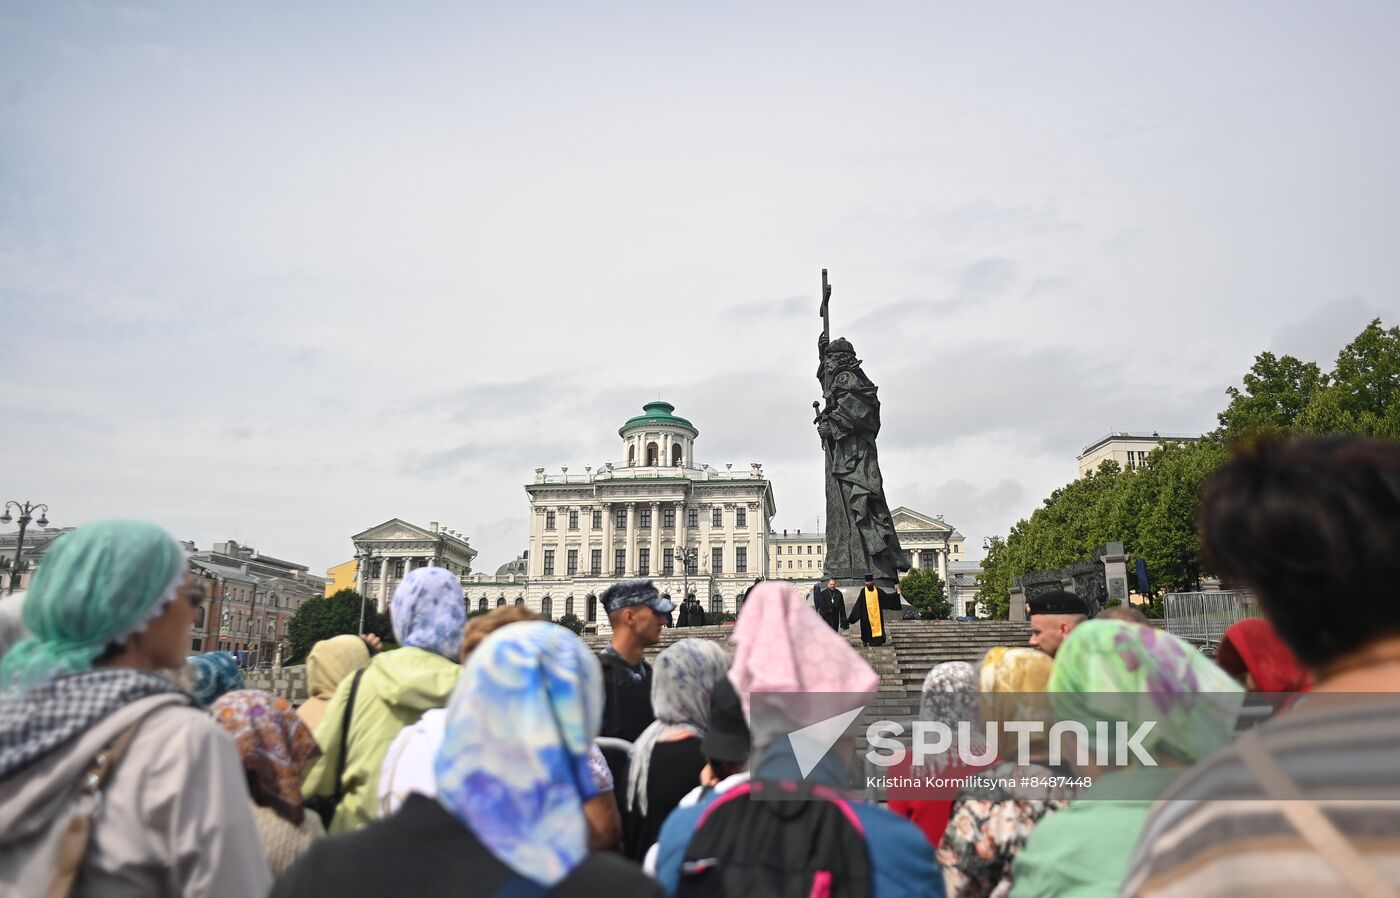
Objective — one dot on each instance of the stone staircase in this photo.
(902, 663)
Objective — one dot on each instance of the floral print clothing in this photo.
(987, 832)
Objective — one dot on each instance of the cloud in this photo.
(1320, 336)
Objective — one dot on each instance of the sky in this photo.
(280, 272)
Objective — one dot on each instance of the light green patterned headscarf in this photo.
(95, 588)
(1111, 670)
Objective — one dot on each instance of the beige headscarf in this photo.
(331, 660)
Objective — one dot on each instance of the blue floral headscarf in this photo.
(212, 675)
(98, 586)
(514, 760)
(428, 611)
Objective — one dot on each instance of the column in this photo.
(383, 599)
(943, 563)
(607, 539)
(536, 562)
(703, 559)
(361, 574)
(729, 518)
(655, 539)
(665, 450)
(631, 566)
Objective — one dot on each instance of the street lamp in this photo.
(364, 563)
(687, 556)
(26, 509)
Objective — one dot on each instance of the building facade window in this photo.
(590, 606)
(644, 519)
(717, 560)
(741, 559)
(643, 562)
(569, 605)
(398, 568)
(653, 455)
(717, 517)
(519, 600)
(668, 518)
(549, 562)
(595, 562)
(597, 520)
(668, 562)
(481, 604)
(619, 562)
(621, 519)
(549, 520)
(692, 517)
(741, 517)
(573, 519)
(547, 608)
(716, 604)
(676, 456)
(500, 602)
(572, 561)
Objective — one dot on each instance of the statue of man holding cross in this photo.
(860, 534)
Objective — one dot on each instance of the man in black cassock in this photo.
(866, 610)
(696, 617)
(831, 605)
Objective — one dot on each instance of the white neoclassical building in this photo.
(928, 540)
(390, 550)
(643, 516)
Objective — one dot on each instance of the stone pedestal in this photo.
(1018, 605)
(1115, 573)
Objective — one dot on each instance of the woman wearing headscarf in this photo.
(784, 646)
(1121, 672)
(111, 604)
(328, 664)
(275, 746)
(211, 675)
(512, 777)
(949, 695)
(988, 828)
(409, 766)
(666, 758)
(1252, 652)
(428, 615)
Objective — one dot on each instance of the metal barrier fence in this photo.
(1203, 617)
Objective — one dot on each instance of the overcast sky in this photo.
(280, 272)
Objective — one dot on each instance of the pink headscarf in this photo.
(785, 646)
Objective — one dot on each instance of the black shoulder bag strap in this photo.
(326, 808)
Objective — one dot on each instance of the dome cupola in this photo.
(658, 437)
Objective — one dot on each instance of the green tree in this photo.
(321, 618)
(1362, 395)
(571, 621)
(924, 589)
(1276, 391)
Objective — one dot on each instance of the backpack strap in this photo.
(73, 847)
(1307, 818)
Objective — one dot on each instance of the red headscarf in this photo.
(1253, 645)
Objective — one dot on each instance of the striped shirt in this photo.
(1217, 831)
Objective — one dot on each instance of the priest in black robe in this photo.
(866, 611)
(831, 605)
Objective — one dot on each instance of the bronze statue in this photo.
(860, 535)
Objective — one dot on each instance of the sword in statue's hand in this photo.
(817, 407)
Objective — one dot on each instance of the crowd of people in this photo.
(500, 756)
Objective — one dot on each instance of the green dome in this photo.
(658, 412)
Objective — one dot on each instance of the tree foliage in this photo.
(321, 618)
(1152, 509)
(924, 589)
(571, 621)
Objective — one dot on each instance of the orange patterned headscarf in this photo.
(274, 744)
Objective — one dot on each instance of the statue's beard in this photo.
(835, 364)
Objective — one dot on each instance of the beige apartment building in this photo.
(1130, 450)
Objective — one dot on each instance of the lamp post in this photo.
(364, 563)
(687, 556)
(26, 509)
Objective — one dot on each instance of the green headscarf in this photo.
(1114, 670)
(96, 587)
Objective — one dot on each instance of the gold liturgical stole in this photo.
(872, 611)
